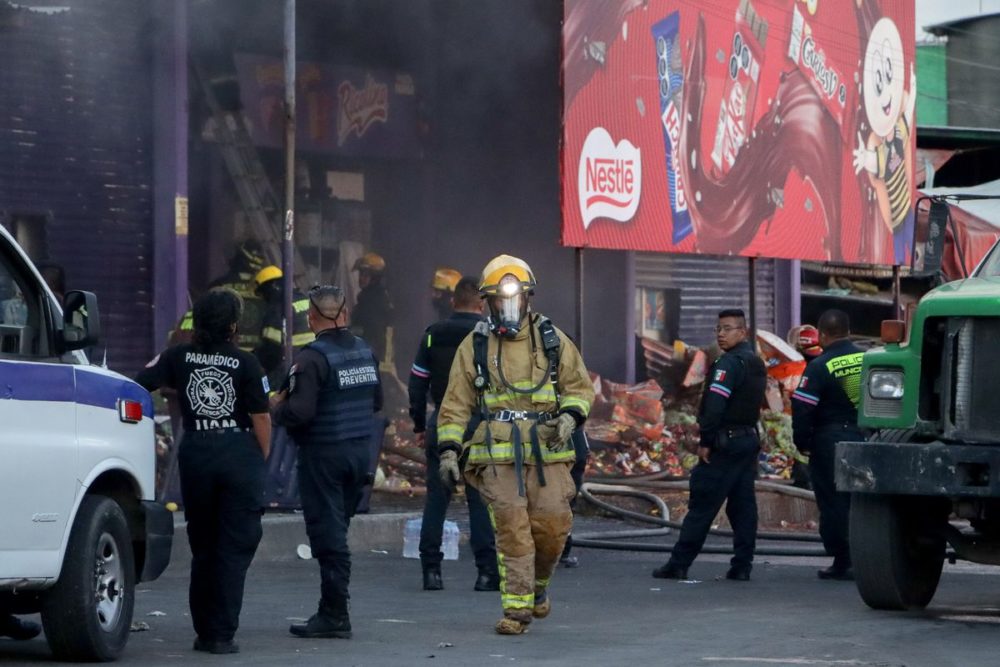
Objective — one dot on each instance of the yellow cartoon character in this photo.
(887, 155)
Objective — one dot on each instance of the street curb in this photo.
(283, 533)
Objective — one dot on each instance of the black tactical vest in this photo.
(346, 403)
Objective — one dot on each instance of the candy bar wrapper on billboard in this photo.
(759, 128)
(739, 98)
(671, 86)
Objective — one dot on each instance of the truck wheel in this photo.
(896, 552)
(87, 615)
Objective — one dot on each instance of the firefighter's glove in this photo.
(562, 430)
(448, 469)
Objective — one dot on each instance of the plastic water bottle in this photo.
(450, 543)
(411, 538)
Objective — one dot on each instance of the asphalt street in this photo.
(607, 612)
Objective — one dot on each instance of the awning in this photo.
(977, 224)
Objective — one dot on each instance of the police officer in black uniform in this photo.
(227, 431)
(430, 371)
(825, 412)
(730, 409)
(328, 406)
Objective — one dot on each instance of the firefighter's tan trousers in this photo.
(530, 531)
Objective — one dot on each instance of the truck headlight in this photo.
(886, 384)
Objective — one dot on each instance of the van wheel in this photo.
(87, 615)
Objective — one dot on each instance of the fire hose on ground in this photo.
(610, 540)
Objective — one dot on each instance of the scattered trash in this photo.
(393, 620)
(139, 626)
(654, 589)
(156, 613)
(304, 551)
(445, 645)
(380, 551)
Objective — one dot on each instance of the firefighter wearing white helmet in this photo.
(527, 382)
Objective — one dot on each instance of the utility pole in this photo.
(288, 235)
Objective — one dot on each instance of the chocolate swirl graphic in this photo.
(796, 133)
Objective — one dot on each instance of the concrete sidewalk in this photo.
(283, 533)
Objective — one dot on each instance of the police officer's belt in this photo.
(514, 415)
(739, 431)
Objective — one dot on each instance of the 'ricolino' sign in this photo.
(777, 128)
(342, 110)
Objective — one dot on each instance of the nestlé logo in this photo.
(609, 179)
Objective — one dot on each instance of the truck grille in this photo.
(974, 369)
(885, 408)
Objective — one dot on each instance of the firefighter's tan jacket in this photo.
(524, 366)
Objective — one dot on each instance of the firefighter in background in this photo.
(244, 264)
(805, 339)
(530, 387)
(443, 290)
(372, 315)
(270, 349)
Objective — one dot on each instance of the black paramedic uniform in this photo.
(727, 419)
(430, 371)
(825, 412)
(222, 472)
(333, 393)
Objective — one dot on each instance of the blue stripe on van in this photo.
(32, 381)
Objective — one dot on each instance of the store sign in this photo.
(610, 178)
(341, 110)
(779, 128)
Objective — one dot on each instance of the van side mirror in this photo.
(81, 320)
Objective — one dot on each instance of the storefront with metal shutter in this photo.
(695, 288)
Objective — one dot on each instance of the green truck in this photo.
(928, 478)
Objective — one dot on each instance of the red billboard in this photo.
(775, 128)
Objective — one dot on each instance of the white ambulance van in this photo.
(78, 522)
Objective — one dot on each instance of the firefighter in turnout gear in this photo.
(443, 290)
(528, 383)
(270, 350)
(244, 264)
(825, 412)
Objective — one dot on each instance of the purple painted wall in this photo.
(75, 144)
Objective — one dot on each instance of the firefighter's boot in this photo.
(543, 605)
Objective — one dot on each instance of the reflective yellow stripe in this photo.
(187, 322)
(541, 584)
(271, 334)
(503, 452)
(450, 432)
(578, 403)
(547, 394)
(517, 601)
(428, 341)
(300, 306)
(300, 339)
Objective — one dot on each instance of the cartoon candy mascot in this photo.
(887, 155)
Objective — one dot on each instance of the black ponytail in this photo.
(215, 313)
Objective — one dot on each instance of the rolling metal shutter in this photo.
(708, 284)
(76, 147)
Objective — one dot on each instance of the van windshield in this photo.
(990, 266)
